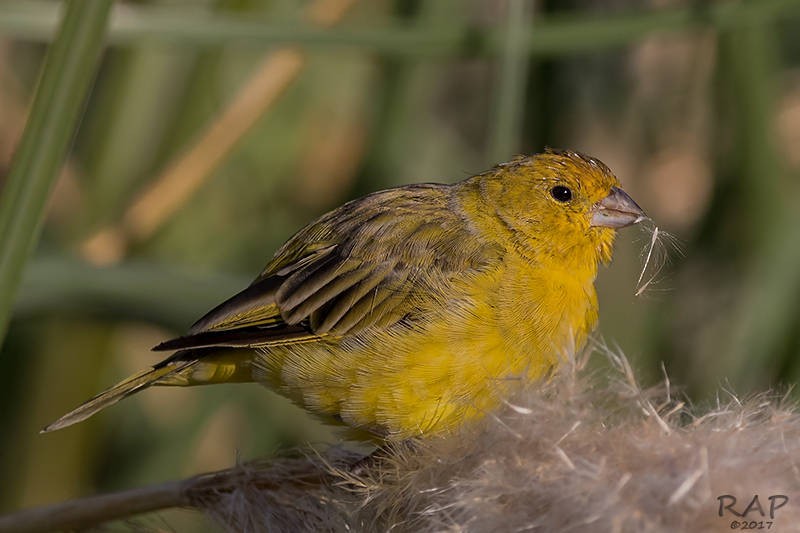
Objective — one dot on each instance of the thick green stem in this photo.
(556, 35)
(68, 70)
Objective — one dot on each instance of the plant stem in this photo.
(509, 95)
(68, 70)
(94, 510)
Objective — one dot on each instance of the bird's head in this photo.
(562, 204)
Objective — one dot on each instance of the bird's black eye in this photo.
(561, 193)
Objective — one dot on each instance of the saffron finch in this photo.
(408, 312)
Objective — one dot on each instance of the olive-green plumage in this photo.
(411, 310)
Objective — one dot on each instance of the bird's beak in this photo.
(616, 210)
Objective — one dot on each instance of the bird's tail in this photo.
(164, 373)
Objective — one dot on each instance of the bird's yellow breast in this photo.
(501, 327)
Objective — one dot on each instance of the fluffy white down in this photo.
(574, 454)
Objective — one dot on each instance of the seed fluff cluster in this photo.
(577, 453)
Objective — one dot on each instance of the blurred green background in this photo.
(215, 129)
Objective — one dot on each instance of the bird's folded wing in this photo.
(359, 267)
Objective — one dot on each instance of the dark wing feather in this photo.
(357, 267)
(238, 338)
(254, 306)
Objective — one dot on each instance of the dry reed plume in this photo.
(576, 454)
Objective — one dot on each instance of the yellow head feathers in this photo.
(549, 202)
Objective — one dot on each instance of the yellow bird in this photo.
(411, 310)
